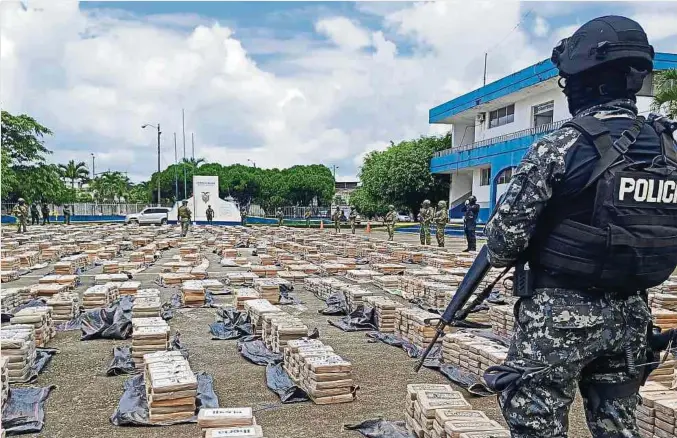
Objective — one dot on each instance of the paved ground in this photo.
(85, 398)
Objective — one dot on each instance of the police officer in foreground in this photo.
(589, 217)
(185, 216)
(470, 212)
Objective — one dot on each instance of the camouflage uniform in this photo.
(35, 215)
(352, 217)
(45, 214)
(336, 217)
(307, 218)
(280, 217)
(185, 216)
(243, 217)
(441, 220)
(425, 218)
(67, 215)
(561, 334)
(210, 214)
(20, 211)
(391, 220)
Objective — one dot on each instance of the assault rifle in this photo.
(455, 310)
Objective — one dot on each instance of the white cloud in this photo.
(541, 27)
(344, 33)
(95, 77)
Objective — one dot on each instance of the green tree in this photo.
(140, 193)
(665, 98)
(22, 139)
(74, 172)
(111, 187)
(42, 183)
(366, 205)
(401, 175)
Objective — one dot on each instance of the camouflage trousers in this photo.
(424, 233)
(21, 224)
(564, 339)
(185, 224)
(439, 235)
(391, 231)
(280, 222)
(352, 226)
(337, 226)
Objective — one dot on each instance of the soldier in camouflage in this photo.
(336, 217)
(307, 216)
(210, 214)
(185, 216)
(243, 216)
(441, 220)
(567, 337)
(425, 216)
(391, 220)
(66, 215)
(35, 214)
(280, 217)
(20, 211)
(45, 213)
(352, 218)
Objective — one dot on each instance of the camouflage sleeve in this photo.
(514, 221)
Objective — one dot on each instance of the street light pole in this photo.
(159, 133)
(158, 164)
(176, 173)
(334, 167)
(93, 169)
(252, 161)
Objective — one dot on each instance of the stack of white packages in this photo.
(41, 320)
(148, 335)
(65, 306)
(17, 343)
(228, 423)
(146, 303)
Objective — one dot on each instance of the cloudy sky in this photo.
(279, 83)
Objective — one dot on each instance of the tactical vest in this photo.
(630, 243)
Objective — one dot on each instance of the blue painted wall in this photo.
(456, 213)
(78, 218)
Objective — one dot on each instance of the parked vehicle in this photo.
(403, 217)
(149, 216)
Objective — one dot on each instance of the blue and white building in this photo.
(493, 126)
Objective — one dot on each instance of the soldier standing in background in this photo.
(210, 214)
(66, 215)
(243, 216)
(307, 216)
(352, 217)
(336, 217)
(280, 217)
(35, 214)
(441, 220)
(425, 217)
(470, 212)
(45, 213)
(391, 220)
(20, 211)
(185, 216)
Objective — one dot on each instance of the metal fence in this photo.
(543, 129)
(87, 209)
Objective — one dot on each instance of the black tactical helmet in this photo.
(601, 41)
(472, 199)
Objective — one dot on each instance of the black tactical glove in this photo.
(659, 341)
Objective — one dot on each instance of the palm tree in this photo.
(111, 186)
(194, 162)
(74, 172)
(666, 92)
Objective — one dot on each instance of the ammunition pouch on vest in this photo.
(631, 240)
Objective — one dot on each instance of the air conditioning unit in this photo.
(480, 118)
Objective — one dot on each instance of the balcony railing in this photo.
(543, 129)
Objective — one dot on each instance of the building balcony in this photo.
(541, 130)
